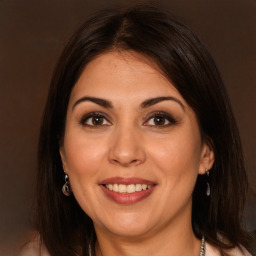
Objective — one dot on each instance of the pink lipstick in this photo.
(127, 190)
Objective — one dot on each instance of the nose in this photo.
(126, 147)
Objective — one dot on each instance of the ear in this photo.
(207, 157)
(63, 159)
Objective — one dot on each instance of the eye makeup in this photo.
(95, 120)
(159, 119)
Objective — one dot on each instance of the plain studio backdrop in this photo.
(32, 35)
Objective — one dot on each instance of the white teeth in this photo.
(122, 188)
(138, 187)
(131, 188)
(115, 187)
(144, 186)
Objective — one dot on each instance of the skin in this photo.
(130, 142)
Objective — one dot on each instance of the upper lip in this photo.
(126, 181)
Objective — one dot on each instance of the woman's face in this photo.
(132, 147)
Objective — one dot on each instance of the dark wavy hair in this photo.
(62, 225)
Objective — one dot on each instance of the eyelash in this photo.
(165, 116)
(106, 122)
(94, 115)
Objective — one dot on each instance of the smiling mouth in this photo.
(127, 190)
(130, 188)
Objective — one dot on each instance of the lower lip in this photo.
(127, 198)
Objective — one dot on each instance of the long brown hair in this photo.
(63, 226)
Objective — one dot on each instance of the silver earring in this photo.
(66, 189)
(208, 188)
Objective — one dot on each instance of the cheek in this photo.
(177, 153)
(83, 157)
(84, 160)
(177, 157)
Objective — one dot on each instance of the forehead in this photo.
(124, 74)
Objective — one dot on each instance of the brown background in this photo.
(32, 34)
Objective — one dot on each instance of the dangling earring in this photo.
(208, 189)
(66, 189)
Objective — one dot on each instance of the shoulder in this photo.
(33, 248)
(212, 251)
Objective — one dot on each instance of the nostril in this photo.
(126, 162)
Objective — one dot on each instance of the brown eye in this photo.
(95, 119)
(159, 120)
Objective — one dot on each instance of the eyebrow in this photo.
(145, 104)
(102, 102)
(153, 101)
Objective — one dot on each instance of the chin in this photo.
(128, 226)
(130, 231)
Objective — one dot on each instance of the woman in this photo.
(139, 152)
